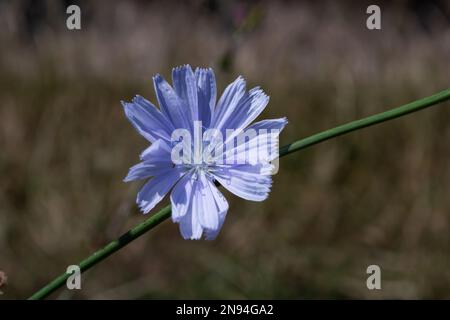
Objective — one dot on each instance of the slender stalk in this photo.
(164, 213)
(106, 251)
(366, 122)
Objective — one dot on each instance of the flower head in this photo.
(197, 143)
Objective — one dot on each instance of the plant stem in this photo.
(164, 213)
(106, 251)
(366, 122)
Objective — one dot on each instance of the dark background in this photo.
(377, 196)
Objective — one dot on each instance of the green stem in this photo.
(106, 251)
(164, 213)
(366, 122)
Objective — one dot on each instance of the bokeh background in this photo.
(376, 196)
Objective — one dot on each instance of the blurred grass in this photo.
(377, 196)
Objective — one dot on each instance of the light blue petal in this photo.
(181, 197)
(190, 227)
(156, 160)
(212, 234)
(198, 206)
(172, 106)
(219, 199)
(147, 119)
(207, 94)
(228, 103)
(185, 85)
(266, 143)
(248, 109)
(245, 181)
(155, 190)
(145, 170)
(263, 147)
(159, 151)
(222, 207)
(208, 213)
(270, 124)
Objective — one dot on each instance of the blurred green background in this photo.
(376, 196)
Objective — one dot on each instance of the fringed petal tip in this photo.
(182, 68)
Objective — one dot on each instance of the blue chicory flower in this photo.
(197, 205)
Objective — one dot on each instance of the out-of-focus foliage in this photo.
(378, 196)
